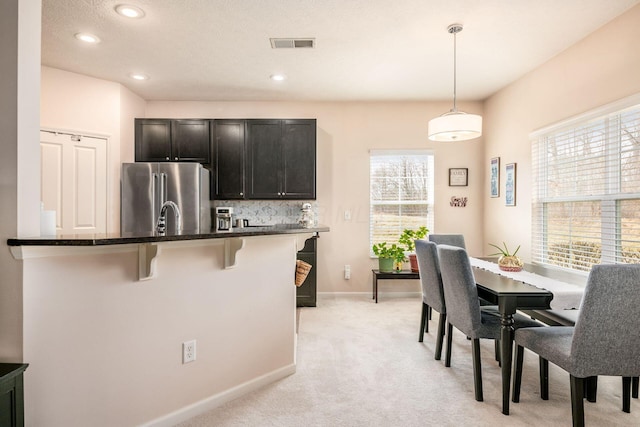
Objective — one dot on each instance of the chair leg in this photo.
(626, 394)
(447, 358)
(591, 388)
(634, 388)
(430, 313)
(577, 401)
(440, 337)
(477, 369)
(497, 351)
(426, 324)
(423, 322)
(544, 379)
(517, 373)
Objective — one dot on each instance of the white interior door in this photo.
(74, 181)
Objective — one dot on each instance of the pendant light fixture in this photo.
(455, 125)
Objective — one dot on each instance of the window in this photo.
(401, 193)
(586, 198)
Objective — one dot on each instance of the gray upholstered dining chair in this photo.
(458, 241)
(604, 340)
(463, 308)
(432, 292)
(448, 239)
(569, 318)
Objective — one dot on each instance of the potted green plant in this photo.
(507, 261)
(388, 256)
(407, 238)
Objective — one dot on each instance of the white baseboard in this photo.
(405, 294)
(216, 400)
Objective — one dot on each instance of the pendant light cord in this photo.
(455, 108)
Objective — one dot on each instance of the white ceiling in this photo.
(366, 50)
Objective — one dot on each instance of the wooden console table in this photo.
(395, 275)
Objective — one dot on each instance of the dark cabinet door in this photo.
(298, 159)
(229, 159)
(190, 141)
(166, 140)
(12, 394)
(264, 159)
(153, 140)
(306, 294)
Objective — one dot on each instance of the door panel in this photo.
(229, 157)
(190, 141)
(51, 178)
(299, 159)
(153, 140)
(140, 197)
(74, 181)
(264, 155)
(182, 183)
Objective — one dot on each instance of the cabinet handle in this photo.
(242, 194)
(176, 158)
(167, 158)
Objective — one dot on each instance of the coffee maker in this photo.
(223, 219)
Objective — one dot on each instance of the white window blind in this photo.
(586, 196)
(401, 193)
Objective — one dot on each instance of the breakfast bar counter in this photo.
(106, 318)
(154, 237)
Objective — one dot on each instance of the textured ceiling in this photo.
(366, 50)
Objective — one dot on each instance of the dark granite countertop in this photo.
(152, 237)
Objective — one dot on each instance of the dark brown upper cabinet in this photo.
(281, 159)
(172, 140)
(228, 148)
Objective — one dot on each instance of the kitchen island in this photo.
(105, 318)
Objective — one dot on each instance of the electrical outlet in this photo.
(347, 215)
(188, 351)
(347, 271)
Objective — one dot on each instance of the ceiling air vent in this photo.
(292, 43)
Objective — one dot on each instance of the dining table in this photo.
(536, 287)
(509, 295)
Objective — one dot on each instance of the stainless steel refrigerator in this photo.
(146, 186)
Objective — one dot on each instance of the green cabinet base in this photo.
(12, 394)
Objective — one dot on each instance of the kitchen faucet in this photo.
(161, 225)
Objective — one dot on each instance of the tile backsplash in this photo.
(266, 212)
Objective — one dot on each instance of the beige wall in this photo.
(74, 102)
(106, 350)
(346, 132)
(131, 106)
(603, 67)
(20, 189)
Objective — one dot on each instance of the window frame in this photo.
(610, 198)
(430, 200)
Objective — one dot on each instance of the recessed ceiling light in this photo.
(278, 77)
(87, 38)
(139, 76)
(129, 11)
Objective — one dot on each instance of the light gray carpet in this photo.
(360, 364)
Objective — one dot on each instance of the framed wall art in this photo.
(495, 177)
(510, 186)
(458, 177)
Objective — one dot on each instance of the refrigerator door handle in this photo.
(154, 194)
(163, 188)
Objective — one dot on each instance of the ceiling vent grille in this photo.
(293, 43)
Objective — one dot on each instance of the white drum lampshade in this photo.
(455, 126)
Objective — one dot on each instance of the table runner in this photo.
(566, 296)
